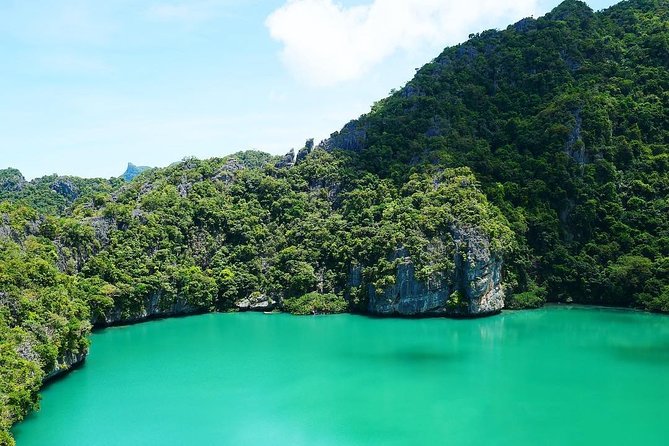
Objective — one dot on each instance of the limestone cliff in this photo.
(473, 288)
(152, 307)
(66, 363)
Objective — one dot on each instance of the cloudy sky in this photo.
(88, 85)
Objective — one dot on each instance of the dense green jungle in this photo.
(534, 159)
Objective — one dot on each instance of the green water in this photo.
(557, 376)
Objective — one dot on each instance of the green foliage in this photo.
(316, 303)
(548, 139)
(457, 301)
(202, 235)
(535, 297)
(209, 233)
(44, 313)
(564, 121)
(53, 195)
(659, 303)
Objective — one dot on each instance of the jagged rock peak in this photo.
(132, 171)
(11, 180)
(291, 158)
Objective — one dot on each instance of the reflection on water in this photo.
(656, 354)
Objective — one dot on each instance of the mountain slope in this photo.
(545, 145)
(565, 122)
(52, 194)
(320, 236)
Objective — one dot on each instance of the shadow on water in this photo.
(652, 354)
(409, 356)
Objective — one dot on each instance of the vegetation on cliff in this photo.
(203, 235)
(52, 194)
(44, 312)
(564, 120)
(550, 139)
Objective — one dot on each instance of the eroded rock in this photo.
(256, 302)
(473, 288)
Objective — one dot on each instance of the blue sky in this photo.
(88, 85)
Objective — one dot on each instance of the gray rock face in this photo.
(11, 180)
(228, 171)
(302, 154)
(574, 146)
(472, 289)
(154, 306)
(7, 232)
(260, 302)
(478, 273)
(133, 171)
(409, 296)
(103, 227)
(352, 137)
(10, 304)
(65, 187)
(288, 160)
(66, 363)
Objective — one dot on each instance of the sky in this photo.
(87, 86)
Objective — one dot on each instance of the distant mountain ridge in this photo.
(51, 194)
(133, 171)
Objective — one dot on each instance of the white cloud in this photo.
(325, 43)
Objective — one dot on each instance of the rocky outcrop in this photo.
(66, 188)
(69, 360)
(410, 296)
(478, 274)
(133, 171)
(256, 302)
(228, 171)
(574, 147)
(288, 160)
(66, 363)
(473, 288)
(7, 232)
(153, 307)
(103, 226)
(352, 137)
(11, 180)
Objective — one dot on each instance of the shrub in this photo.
(316, 303)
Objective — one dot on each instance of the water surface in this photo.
(556, 376)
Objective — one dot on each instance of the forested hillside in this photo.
(565, 122)
(524, 165)
(243, 232)
(53, 194)
(44, 307)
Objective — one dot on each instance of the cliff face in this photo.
(66, 363)
(154, 306)
(478, 274)
(553, 117)
(472, 289)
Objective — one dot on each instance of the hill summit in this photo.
(133, 171)
(564, 121)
